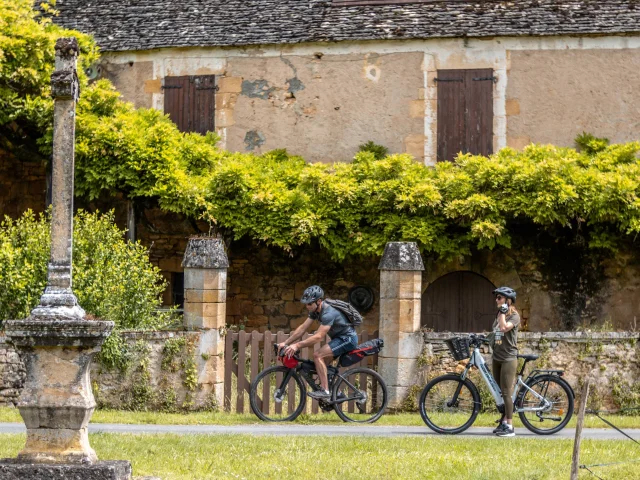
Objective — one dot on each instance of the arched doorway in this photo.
(458, 302)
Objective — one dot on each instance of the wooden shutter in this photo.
(190, 102)
(465, 112)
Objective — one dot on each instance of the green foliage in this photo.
(351, 209)
(27, 40)
(379, 151)
(113, 279)
(591, 145)
(171, 350)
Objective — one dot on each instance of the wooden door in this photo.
(459, 302)
(465, 112)
(190, 102)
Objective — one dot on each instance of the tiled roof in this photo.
(120, 25)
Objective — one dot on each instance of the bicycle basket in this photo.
(459, 347)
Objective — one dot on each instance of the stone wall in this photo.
(12, 373)
(162, 374)
(610, 359)
(23, 185)
(161, 368)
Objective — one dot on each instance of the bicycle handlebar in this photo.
(281, 353)
(477, 340)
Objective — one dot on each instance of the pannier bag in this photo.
(365, 349)
(349, 310)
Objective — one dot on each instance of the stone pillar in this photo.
(205, 307)
(57, 342)
(400, 298)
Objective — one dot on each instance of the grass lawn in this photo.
(269, 457)
(220, 418)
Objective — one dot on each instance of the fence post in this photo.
(205, 295)
(575, 461)
(400, 299)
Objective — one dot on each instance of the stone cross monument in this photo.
(57, 342)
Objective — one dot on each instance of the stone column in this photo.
(205, 307)
(57, 342)
(400, 298)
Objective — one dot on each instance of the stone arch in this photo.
(495, 268)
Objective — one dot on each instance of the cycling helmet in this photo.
(312, 294)
(506, 292)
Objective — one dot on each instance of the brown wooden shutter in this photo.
(465, 112)
(190, 102)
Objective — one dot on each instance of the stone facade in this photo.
(322, 101)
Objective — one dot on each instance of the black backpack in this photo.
(353, 315)
(363, 350)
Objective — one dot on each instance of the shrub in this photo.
(112, 279)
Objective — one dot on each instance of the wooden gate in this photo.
(248, 353)
(465, 112)
(459, 302)
(190, 102)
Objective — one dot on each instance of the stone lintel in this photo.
(401, 256)
(13, 469)
(205, 252)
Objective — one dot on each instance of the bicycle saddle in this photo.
(529, 357)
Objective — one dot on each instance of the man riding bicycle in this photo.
(333, 323)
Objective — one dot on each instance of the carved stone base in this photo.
(12, 469)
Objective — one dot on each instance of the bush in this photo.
(112, 279)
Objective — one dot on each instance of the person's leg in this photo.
(497, 370)
(507, 380)
(321, 358)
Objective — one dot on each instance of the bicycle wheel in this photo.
(274, 401)
(555, 416)
(441, 413)
(361, 395)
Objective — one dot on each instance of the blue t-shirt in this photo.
(340, 325)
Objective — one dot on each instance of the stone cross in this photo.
(57, 342)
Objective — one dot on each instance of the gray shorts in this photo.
(340, 345)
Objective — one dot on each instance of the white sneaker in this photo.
(320, 395)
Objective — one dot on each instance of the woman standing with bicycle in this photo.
(504, 341)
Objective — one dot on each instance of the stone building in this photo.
(426, 77)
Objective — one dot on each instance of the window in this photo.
(190, 102)
(177, 289)
(465, 112)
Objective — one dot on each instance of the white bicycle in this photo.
(449, 404)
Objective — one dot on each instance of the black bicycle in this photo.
(279, 394)
(450, 403)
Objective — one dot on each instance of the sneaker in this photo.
(320, 395)
(506, 430)
(499, 422)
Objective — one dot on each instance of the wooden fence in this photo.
(248, 353)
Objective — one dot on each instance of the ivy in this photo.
(353, 209)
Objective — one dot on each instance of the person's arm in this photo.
(312, 340)
(503, 325)
(297, 333)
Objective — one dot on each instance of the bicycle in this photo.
(357, 395)
(449, 404)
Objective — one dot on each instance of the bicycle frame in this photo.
(477, 360)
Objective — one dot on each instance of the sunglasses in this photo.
(500, 297)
